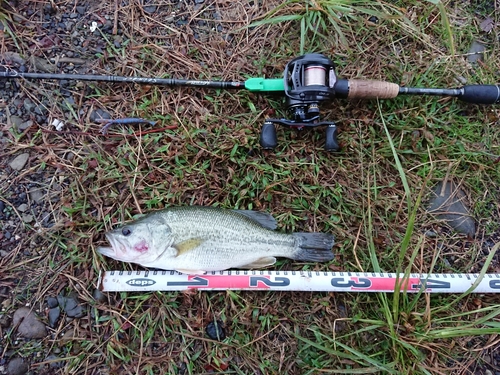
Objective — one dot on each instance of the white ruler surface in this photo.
(307, 281)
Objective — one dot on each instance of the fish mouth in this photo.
(115, 249)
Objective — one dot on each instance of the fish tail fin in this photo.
(314, 247)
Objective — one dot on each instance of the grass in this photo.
(318, 18)
(372, 195)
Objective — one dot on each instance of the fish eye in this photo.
(126, 231)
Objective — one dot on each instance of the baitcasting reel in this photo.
(308, 81)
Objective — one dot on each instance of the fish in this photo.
(200, 239)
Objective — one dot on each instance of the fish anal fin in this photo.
(259, 263)
(187, 245)
(191, 272)
(263, 218)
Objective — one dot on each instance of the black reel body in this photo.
(308, 81)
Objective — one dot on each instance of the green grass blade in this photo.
(353, 354)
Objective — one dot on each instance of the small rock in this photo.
(69, 156)
(215, 330)
(77, 312)
(7, 235)
(448, 204)
(66, 303)
(70, 306)
(2, 206)
(13, 57)
(54, 314)
(4, 321)
(150, 9)
(67, 337)
(99, 296)
(16, 121)
(49, 10)
(37, 195)
(430, 234)
(27, 218)
(70, 102)
(25, 125)
(55, 361)
(29, 105)
(19, 161)
(52, 302)
(29, 325)
(40, 110)
(476, 52)
(99, 114)
(17, 366)
(81, 9)
(22, 207)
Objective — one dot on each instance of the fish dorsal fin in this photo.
(261, 262)
(187, 245)
(263, 218)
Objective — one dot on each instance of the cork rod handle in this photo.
(365, 89)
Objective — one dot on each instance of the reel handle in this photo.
(331, 142)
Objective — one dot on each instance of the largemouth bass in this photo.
(197, 239)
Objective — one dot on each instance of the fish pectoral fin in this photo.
(187, 245)
(263, 218)
(261, 262)
(191, 272)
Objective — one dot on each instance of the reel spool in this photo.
(308, 81)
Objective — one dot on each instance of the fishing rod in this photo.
(308, 81)
(303, 281)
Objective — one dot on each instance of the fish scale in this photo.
(220, 229)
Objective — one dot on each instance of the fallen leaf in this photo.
(487, 25)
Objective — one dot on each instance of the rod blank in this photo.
(121, 79)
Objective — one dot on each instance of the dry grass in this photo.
(205, 151)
